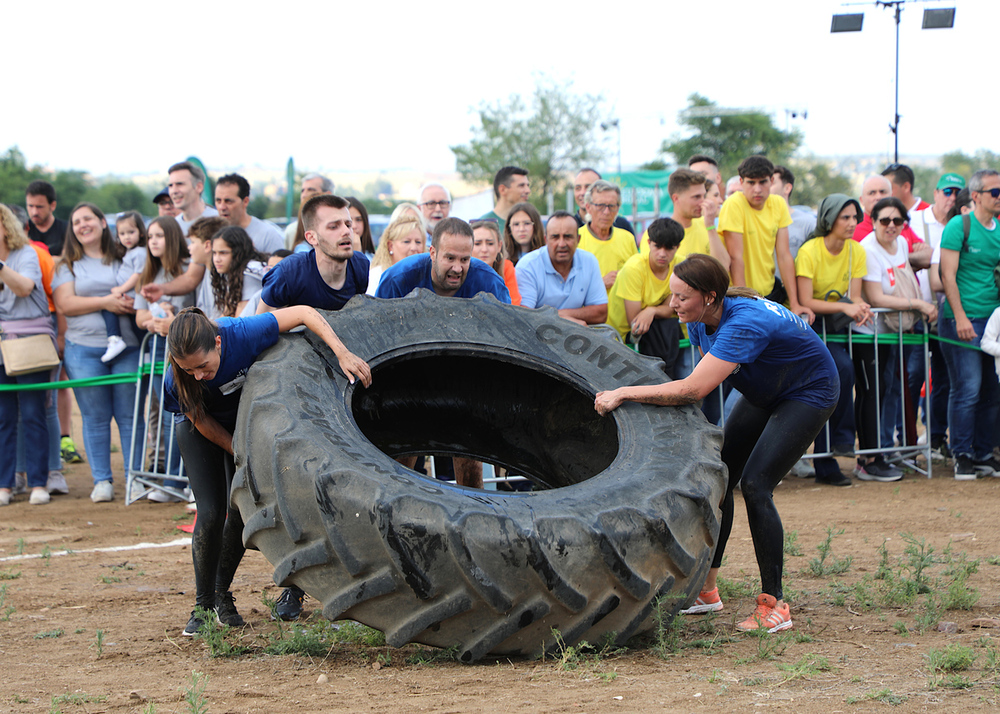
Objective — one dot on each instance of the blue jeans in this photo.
(99, 405)
(975, 393)
(29, 406)
(52, 420)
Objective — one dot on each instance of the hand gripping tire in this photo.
(628, 513)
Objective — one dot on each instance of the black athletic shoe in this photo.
(194, 624)
(836, 479)
(225, 609)
(289, 605)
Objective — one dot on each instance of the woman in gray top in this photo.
(24, 311)
(81, 288)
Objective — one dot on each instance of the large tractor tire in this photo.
(625, 516)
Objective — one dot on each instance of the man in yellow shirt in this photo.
(611, 246)
(754, 225)
(696, 215)
(638, 303)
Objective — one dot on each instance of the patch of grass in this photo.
(885, 696)
(216, 636)
(429, 657)
(110, 579)
(930, 615)
(993, 560)
(20, 546)
(953, 658)
(98, 643)
(918, 557)
(808, 664)
(358, 634)
(10, 575)
(791, 544)
(668, 627)
(769, 646)
(49, 634)
(837, 566)
(6, 609)
(737, 589)
(79, 699)
(310, 638)
(583, 654)
(194, 693)
(753, 681)
(901, 629)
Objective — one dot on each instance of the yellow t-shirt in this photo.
(695, 241)
(611, 254)
(635, 282)
(760, 231)
(828, 271)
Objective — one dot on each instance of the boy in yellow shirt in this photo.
(754, 225)
(638, 302)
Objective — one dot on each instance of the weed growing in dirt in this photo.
(10, 575)
(50, 633)
(882, 695)
(819, 567)
(791, 543)
(808, 665)
(98, 643)
(953, 658)
(993, 560)
(110, 579)
(78, 699)
(150, 708)
(668, 627)
(355, 633)
(737, 589)
(769, 646)
(194, 693)
(753, 681)
(20, 546)
(571, 657)
(901, 629)
(6, 609)
(216, 635)
(313, 638)
(46, 554)
(430, 657)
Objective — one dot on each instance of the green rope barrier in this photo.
(105, 380)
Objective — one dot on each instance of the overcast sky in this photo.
(132, 86)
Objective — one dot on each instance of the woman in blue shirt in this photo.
(789, 387)
(208, 366)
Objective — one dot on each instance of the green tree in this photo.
(15, 176)
(117, 196)
(728, 137)
(71, 188)
(554, 136)
(959, 163)
(815, 180)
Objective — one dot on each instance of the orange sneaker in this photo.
(768, 616)
(708, 601)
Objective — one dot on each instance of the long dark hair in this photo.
(228, 289)
(511, 248)
(175, 252)
(190, 333)
(367, 244)
(111, 250)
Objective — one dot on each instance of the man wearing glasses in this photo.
(585, 179)
(967, 264)
(611, 245)
(435, 203)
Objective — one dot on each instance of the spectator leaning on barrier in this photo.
(610, 245)
(830, 266)
(560, 276)
(638, 306)
(967, 270)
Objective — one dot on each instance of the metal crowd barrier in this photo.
(157, 434)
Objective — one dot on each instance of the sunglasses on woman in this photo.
(894, 221)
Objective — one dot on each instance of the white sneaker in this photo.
(803, 469)
(57, 483)
(116, 345)
(4, 496)
(39, 497)
(158, 496)
(103, 491)
(20, 483)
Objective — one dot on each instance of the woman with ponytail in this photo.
(208, 365)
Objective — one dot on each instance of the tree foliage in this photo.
(966, 165)
(815, 180)
(553, 137)
(71, 187)
(729, 138)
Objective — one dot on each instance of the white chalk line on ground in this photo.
(110, 549)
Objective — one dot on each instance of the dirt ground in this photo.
(99, 631)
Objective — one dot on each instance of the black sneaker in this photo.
(940, 450)
(989, 467)
(194, 624)
(835, 479)
(965, 470)
(289, 605)
(878, 470)
(225, 609)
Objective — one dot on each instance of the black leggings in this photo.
(217, 541)
(866, 406)
(760, 447)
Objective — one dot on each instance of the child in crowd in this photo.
(237, 270)
(131, 231)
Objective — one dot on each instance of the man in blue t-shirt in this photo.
(448, 269)
(324, 278)
(327, 276)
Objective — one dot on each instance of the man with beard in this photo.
(435, 203)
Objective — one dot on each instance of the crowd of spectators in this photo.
(98, 290)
